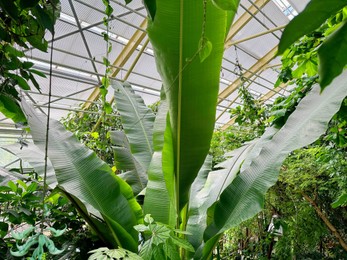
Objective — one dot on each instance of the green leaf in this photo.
(39, 73)
(9, 8)
(188, 84)
(6, 176)
(244, 197)
(137, 121)
(341, 201)
(82, 174)
(28, 3)
(160, 198)
(38, 42)
(332, 56)
(108, 108)
(27, 65)
(148, 219)
(20, 81)
(141, 228)
(109, 10)
(13, 51)
(12, 185)
(3, 229)
(133, 152)
(133, 173)
(44, 18)
(205, 47)
(314, 15)
(10, 108)
(35, 157)
(151, 7)
(182, 243)
(23, 184)
(228, 5)
(206, 190)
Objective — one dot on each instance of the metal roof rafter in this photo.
(244, 19)
(122, 58)
(84, 39)
(253, 70)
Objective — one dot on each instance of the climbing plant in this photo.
(23, 25)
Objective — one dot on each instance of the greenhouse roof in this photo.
(79, 48)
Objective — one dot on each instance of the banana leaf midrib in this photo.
(140, 122)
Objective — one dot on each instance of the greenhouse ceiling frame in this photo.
(135, 52)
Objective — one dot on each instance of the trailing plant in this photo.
(106, 79)
(252, 113)
(22, 24)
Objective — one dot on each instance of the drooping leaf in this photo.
(191, 87)
(159, 199)
(332, 56)
(137, 121)
(206, 190)
(93, 220)
(244, 197)
(10, 108)
(44, 17)
(82, 174)
(314, 15)
(6, 176)
(20, 81)
(36, 158)
(38, 42)
(133, 173)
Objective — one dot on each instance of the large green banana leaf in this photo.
(36, 158)
(82, 174)
(206, 190)
(244, 197)
(160, 198)
(133, 172)
(6, 176)
(137, 121)
(190, 85)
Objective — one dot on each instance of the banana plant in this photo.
(168, 158)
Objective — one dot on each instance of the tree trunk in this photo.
(326, 221)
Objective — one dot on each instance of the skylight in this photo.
(286, 8)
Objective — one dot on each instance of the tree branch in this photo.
(326, 221)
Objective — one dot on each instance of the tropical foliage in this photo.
(187, 206)
(22, 209)
(22, 23)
